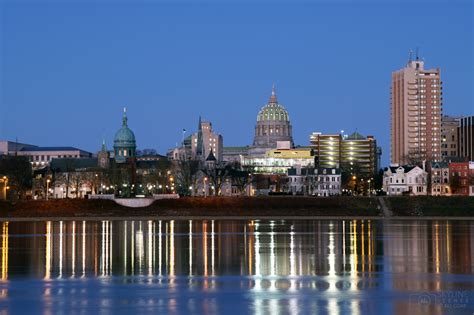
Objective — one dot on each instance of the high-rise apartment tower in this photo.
(416, 109)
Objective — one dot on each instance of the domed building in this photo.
(273, 124)
(124, 141)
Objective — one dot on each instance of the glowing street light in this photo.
(5, 182)
(47, 188)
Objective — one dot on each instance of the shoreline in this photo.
(269, 207)
(231, 218)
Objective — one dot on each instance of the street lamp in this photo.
(5, 182)
(47, 188)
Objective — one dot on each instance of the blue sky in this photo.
(69, 67)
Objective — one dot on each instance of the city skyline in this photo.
(316, 80)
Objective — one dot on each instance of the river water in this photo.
(237, 267)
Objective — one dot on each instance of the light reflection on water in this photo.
(238, 266)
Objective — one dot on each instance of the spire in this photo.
(124, 118)
(273, 98)
(104, 147)
(199, 145)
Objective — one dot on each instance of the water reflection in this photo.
(346, 266)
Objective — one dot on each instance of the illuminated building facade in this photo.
(353, 152)
(278, 161)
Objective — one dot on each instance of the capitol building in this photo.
(273, 126)
(272, 150)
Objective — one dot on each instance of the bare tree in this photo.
(185, 172)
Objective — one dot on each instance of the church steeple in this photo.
(199, 145)
(103, 156)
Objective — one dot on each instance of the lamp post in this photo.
(5, 182)
(47, 188)
(354, 178)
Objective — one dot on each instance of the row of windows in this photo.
(46, 158)
(315, 179)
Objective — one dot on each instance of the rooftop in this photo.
(49, 149)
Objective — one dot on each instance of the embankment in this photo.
(249, 206)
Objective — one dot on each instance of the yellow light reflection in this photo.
(172, 248)
(436, 249)
(4, 251)
(47, 264)
(125, 253)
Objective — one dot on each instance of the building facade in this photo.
(401, 180)
(459, 178)
(466, 138)
(312, 181)
(352, 152)
(416, 107)
(206, 140)
(277, 161)
(449, 137)
(439, 172)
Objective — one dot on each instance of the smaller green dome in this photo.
(124, 141)
(124, 138)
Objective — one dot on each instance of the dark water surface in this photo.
(238, 267)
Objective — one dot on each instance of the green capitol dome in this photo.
(124, 141)
(273, 111)
(273, 124)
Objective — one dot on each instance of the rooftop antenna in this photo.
(410, 56)
(416, 56)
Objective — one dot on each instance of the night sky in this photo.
(69, 67)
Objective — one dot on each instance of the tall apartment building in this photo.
(449, 136)
(466, 138)
(354, 151)
(416, 109)
(205, 140)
